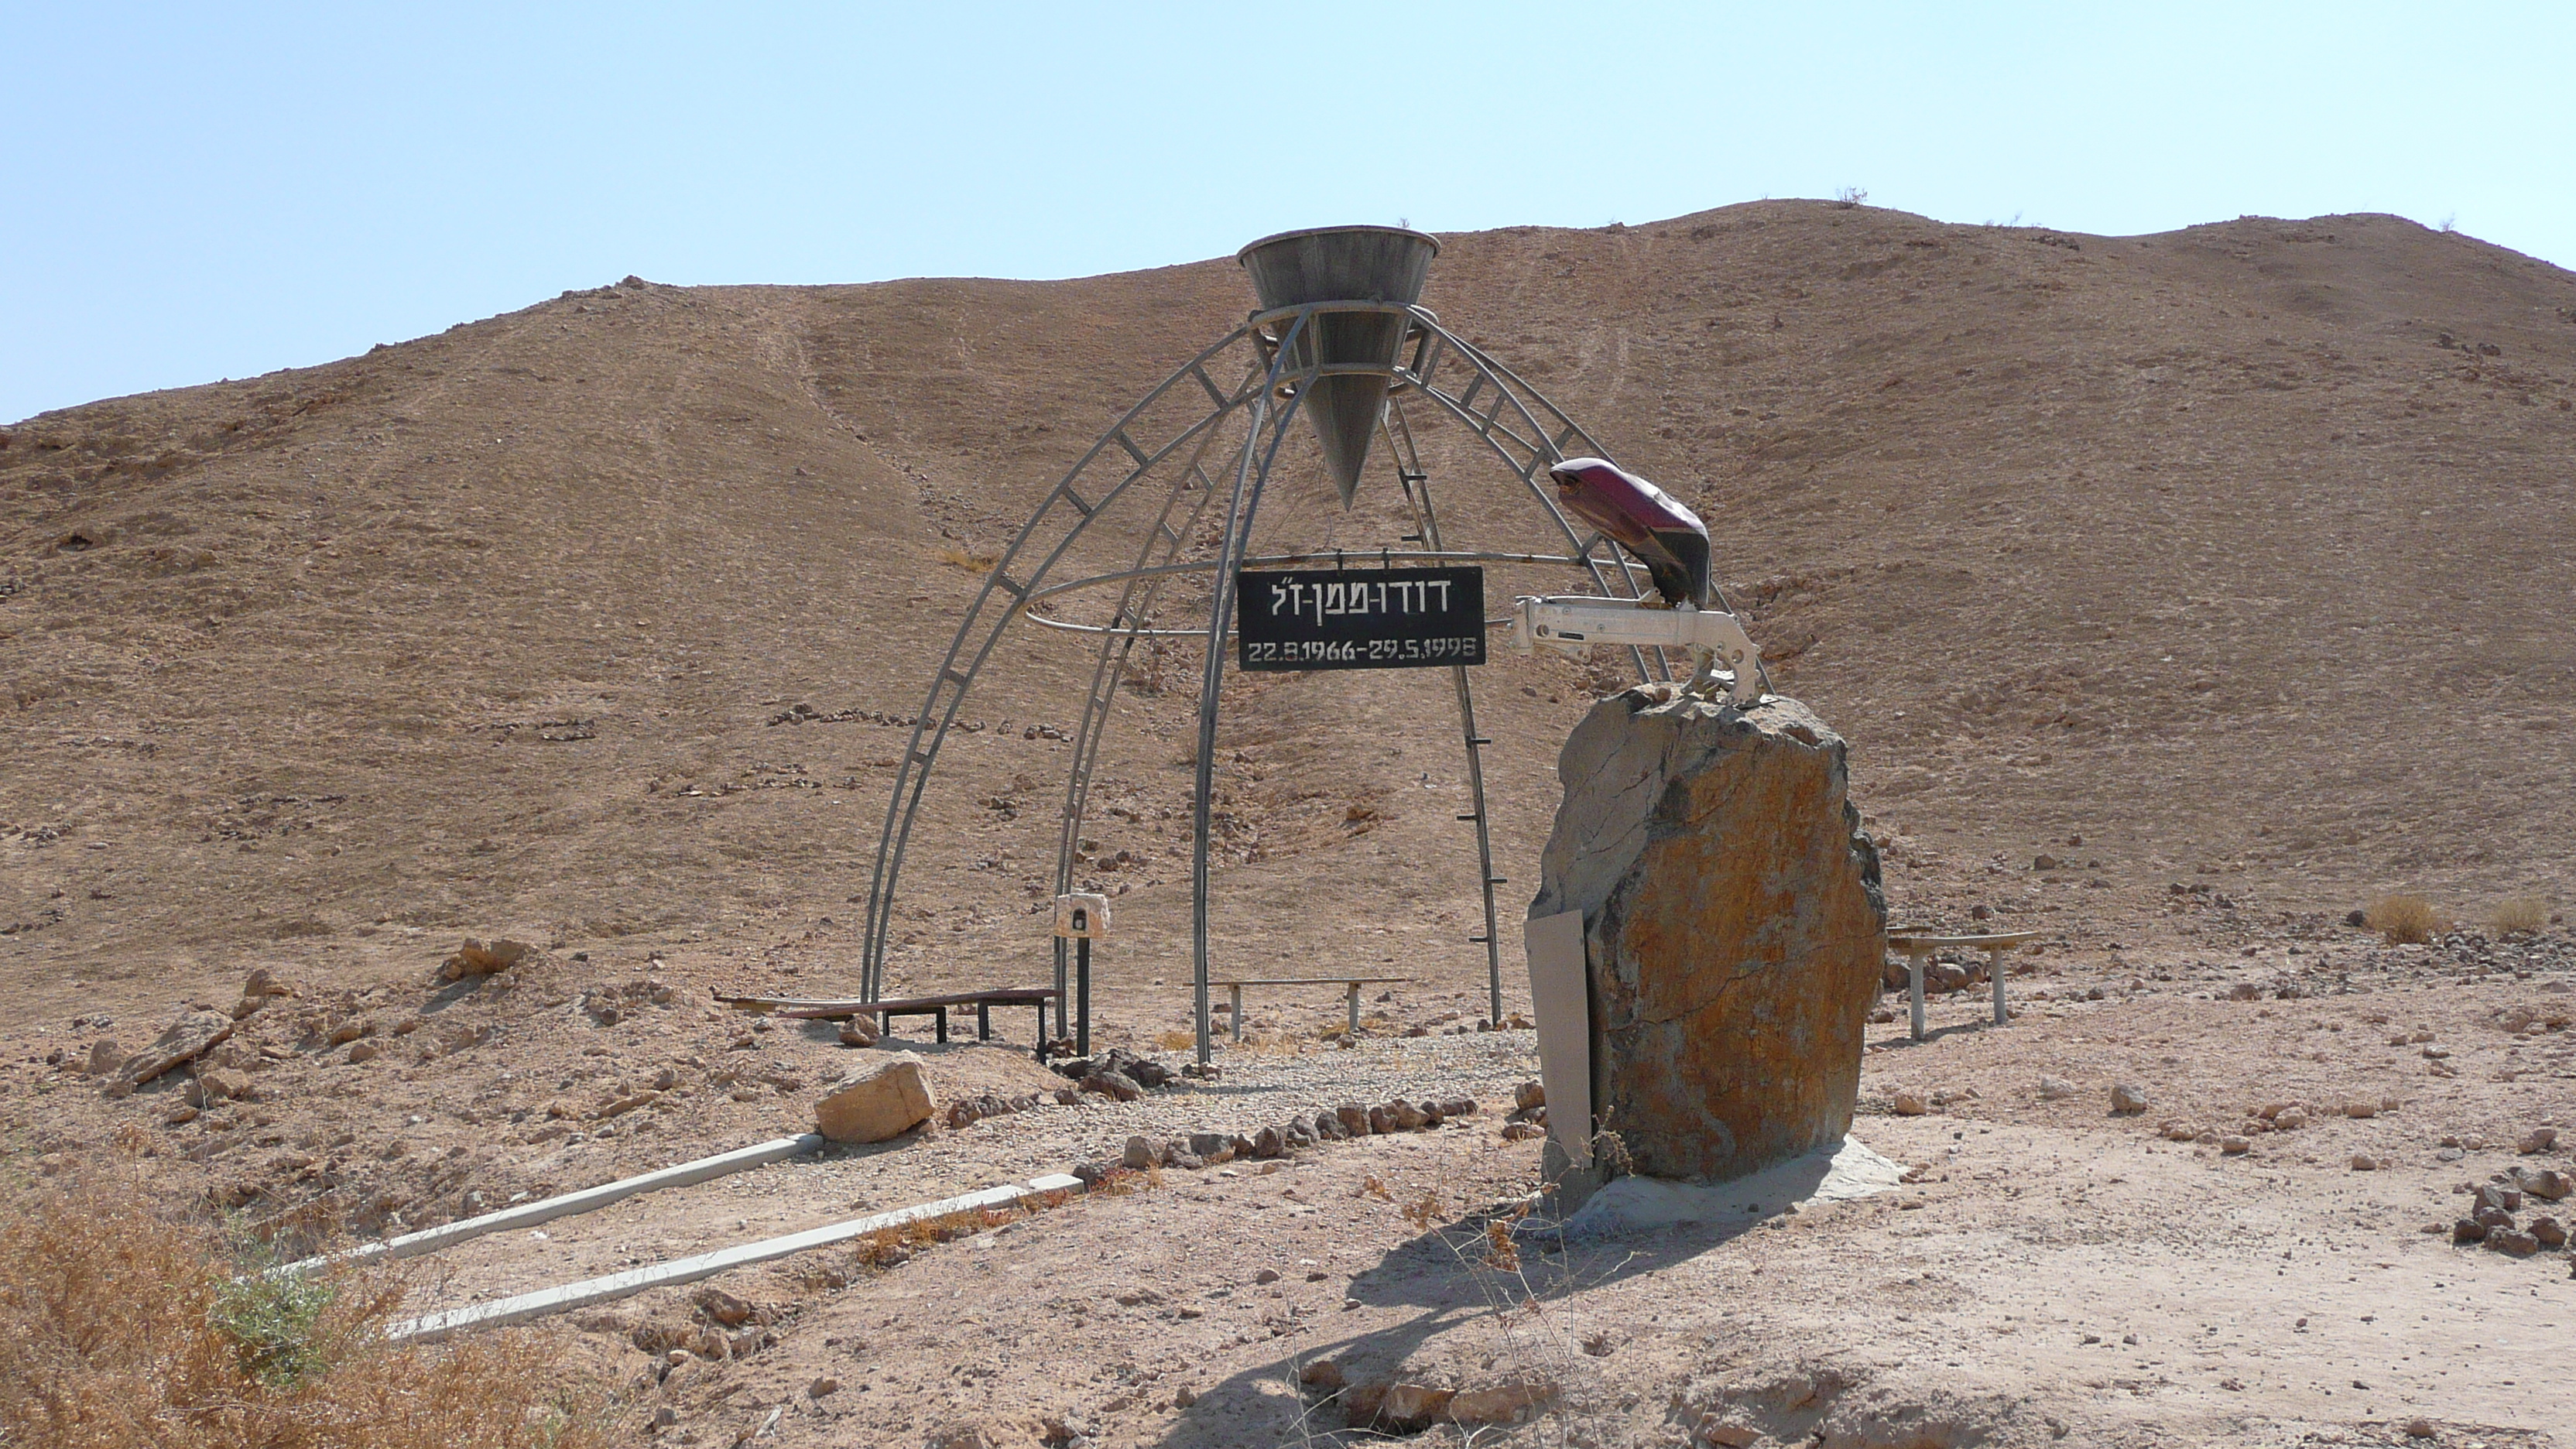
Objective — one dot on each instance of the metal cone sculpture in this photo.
(1361, 264)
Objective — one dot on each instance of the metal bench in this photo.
(801, 1009)
(1351, 987)
(1919, 944)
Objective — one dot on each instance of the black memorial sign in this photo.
(1360, 618)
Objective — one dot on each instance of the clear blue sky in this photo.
(202, 191)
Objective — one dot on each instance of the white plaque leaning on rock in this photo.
(1560, 997)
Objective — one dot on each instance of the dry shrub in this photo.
(126, 1331)
(965, 558)
(1176, 1041)
(2520, 913)
(2403, 920)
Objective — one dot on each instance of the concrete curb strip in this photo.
(430, 1240)
(545, 1301)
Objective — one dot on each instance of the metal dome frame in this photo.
(1517, 423)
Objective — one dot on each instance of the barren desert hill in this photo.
(2240, 552)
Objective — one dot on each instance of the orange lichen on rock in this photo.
(1733, 922)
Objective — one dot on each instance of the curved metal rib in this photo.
(1136, 603)
(1416, 481)
(948, 687)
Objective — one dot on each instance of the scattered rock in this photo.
(1407, 1408)
(723, 1307)
(1502, 1404)
(1266, 1275)
(1355, 1121)
(105, 1057)
(2126, 1098)
(2291, 1119)
(1269, 1142)
(474, 958)
(2513, 1244)
(870, 1106)
(2468, 1230)
(858, 1031)
(2055, 1089)
(1715, 1430)
(1528, 1095)
(2359, 1107)
(2549, 1184)
(1116, 1086)
(2537, 1140)
(2235, 1146)
(187, 1037)
(365, 1051)
(1908, 1104)
(620, 1106)
(2418, 1428)
(823, 1388)
(1142, 1154)
(2364, 1162)
(958, 1434)
(2549, 1231)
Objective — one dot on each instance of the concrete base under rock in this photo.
(1841, 1173)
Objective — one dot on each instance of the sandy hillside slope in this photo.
(2241, 550)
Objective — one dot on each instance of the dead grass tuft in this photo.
(2519, 914)
(126, 1331)
(1176, 1041)
(957, 557)
(2403, 920)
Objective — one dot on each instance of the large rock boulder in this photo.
(1733, 929)
(886, 1100)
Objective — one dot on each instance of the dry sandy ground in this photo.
(2228, 566)
(2057, 1271)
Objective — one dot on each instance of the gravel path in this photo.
(1257, 1089)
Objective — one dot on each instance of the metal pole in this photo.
(1082, 966)
(1059, 989)
(1251, 473)
(1995, 969)
(1914, 985)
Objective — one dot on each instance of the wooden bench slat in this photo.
(1312, 981)
(1901, 939)
(999, 996)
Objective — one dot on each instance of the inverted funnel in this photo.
(1383, 264)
